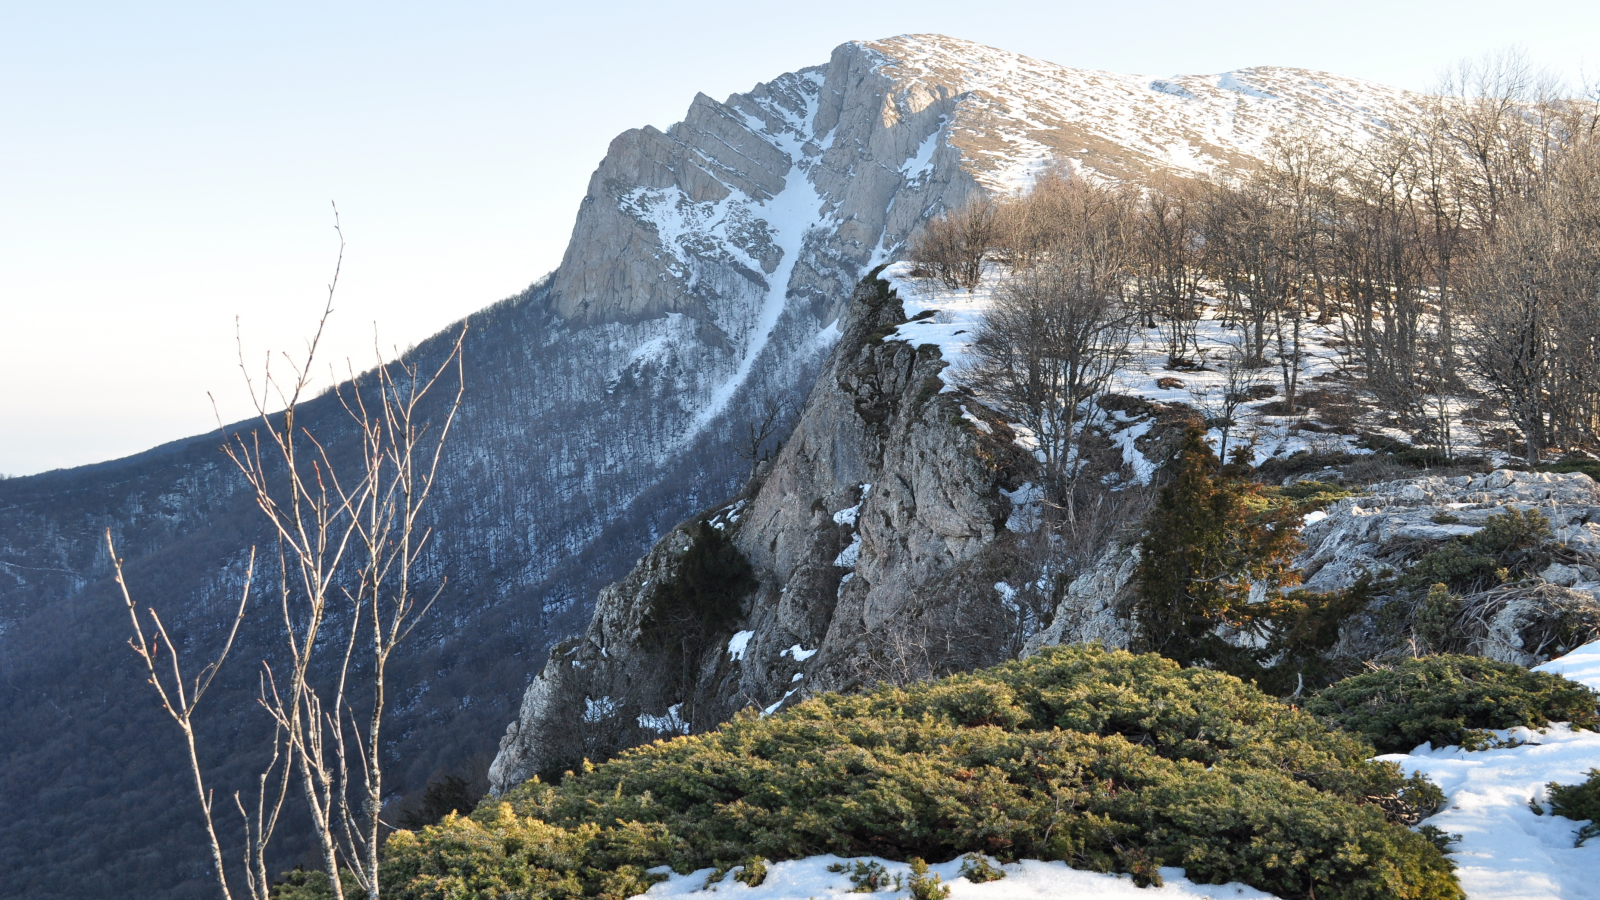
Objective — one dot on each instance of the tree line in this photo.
(1457, 252)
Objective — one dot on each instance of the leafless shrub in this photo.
(952, 247)
(1058, 332)
(1169, 246)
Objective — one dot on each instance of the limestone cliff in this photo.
(869, 534)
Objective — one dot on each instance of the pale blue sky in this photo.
(165, 167)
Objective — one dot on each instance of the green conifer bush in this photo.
(703, 598)
(1109, 761)
(1450, 700)
(1216, 558)
(1580, 802)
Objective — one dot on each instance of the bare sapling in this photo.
(349, 539)
(346, 516)
(180, 697)
(1221, 407)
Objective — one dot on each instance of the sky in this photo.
(168, 170)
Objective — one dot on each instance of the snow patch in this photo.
(774, 707)
(1026, 508)
(596, 711)
(671, 723)
(848, 556)
(920, 164)
(848, 516)
(738, 643)
(1507, 851)
(809, 879)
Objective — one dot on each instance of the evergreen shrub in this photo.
(704, 598)
(1216, 565)
(1508, 545)
(1580, 802)
(1451, 700)
(1107, 760)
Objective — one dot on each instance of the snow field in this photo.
(809, 879)
(1193, 123)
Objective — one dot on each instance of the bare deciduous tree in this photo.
(752, 445)
(346, 518)
(953, 246)
(1169, 247)
(1221, 406)
(1058, 332)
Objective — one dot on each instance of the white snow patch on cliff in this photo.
(920, 164)
(671, 723)
(848, 556)
(595, 711)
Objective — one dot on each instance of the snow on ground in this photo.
(1506, 850)
(949, 319)
(1194, 123)
(809, 879)
(1582, 665)
(739, 643)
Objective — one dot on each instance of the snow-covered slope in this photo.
(1019, 114)
(1507, 851)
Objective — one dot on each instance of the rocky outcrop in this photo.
(1380, 531)
(1387, 529)
(875, 536)
(776, 196)
(1097, 605)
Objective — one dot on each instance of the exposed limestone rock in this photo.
(778, 195)
(1386, 529)
(1360, 535)
(1096, 606)
(870, 534)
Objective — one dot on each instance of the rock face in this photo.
(873, 535)
(1096, 606)
(1375, 533)
(1386, 529)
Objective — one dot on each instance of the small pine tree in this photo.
(450, 794)
(1211, 537)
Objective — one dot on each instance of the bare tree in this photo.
(1169, 247)
(752, 445)
(1533, 297)
(346, 518)
(1058, 332)
(1027, 225)
(953, 246)
(180, 697)
(1220, 407)
(1383, 274)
